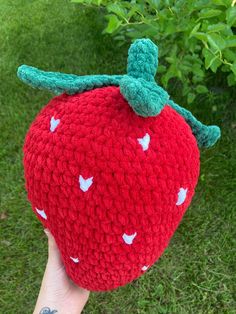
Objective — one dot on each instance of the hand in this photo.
(58, 294)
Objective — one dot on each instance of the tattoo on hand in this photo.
(46, 310)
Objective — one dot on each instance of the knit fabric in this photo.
(143, 60)
(58, 83)
(111, 200)
(146, 98)
(111, 166)
(138, 87)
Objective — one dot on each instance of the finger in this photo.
(54, 256)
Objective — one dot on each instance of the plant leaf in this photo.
(190, 98)
(201, 89)
(230, 41)
(231, 79)
(231, 16)
(233, 68)
(208, 13)
(209, 57)
(229, 54)
(201, 36)
(224, 3)
(154, 3)
(195, 29)
(113, 24)
(216, 41)
(216, 27)
(161, 68)
(118, 10)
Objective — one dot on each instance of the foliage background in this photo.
(196, 274)
(199, 37)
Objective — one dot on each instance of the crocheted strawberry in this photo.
(111, 165)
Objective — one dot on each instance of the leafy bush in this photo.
(195, 37)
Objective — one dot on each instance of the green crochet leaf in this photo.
(206, 136)
(147, 99)
(58, 83)
(138, 87)
(143, 60)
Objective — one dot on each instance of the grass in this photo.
(196, 274)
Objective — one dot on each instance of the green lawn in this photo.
(196, 274)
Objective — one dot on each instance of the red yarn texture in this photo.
(114, 231)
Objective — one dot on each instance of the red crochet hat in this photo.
(111, 165)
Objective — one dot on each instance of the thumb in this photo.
(54, 257)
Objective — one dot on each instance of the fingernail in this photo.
(46, 232)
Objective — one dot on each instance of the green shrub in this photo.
(195, 37)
